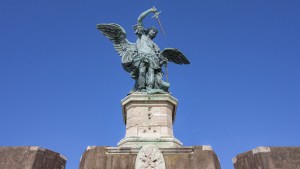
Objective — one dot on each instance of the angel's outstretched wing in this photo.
(117, 35)
(174, 55)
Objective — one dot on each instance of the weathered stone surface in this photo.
(198, 157)
(149, 118)
(269, 158)
(30, 157)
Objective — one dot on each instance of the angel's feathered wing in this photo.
(117, 35)
(175, 55)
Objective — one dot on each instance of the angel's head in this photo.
(151, 32)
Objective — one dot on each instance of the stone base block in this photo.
(198, 157)
(149, 115)
(30, 157)
(269, 158)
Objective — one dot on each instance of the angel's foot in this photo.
(156, 91)
(132, 91)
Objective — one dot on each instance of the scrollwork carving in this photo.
(150, 157)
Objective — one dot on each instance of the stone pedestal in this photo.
(149, 141)
(30, 157)
(149, 120)
(269, 158)
(200, 157)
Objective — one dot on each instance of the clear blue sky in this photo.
(61, 81)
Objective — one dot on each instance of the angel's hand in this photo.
(153, 9)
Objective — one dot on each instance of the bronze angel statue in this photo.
(143, 59)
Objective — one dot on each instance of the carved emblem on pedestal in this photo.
(150, 157)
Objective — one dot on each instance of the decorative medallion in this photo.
(150, 157)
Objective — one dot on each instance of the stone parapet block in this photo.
(30, 157)
(269, 158)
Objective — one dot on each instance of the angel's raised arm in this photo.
(144, 14)
(139, 28)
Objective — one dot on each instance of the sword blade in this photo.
(162, 29)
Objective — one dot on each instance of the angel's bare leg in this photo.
(150, 78)
(142, 76)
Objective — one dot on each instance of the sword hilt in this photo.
(156, 14)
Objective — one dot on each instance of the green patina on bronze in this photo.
(143, 59)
